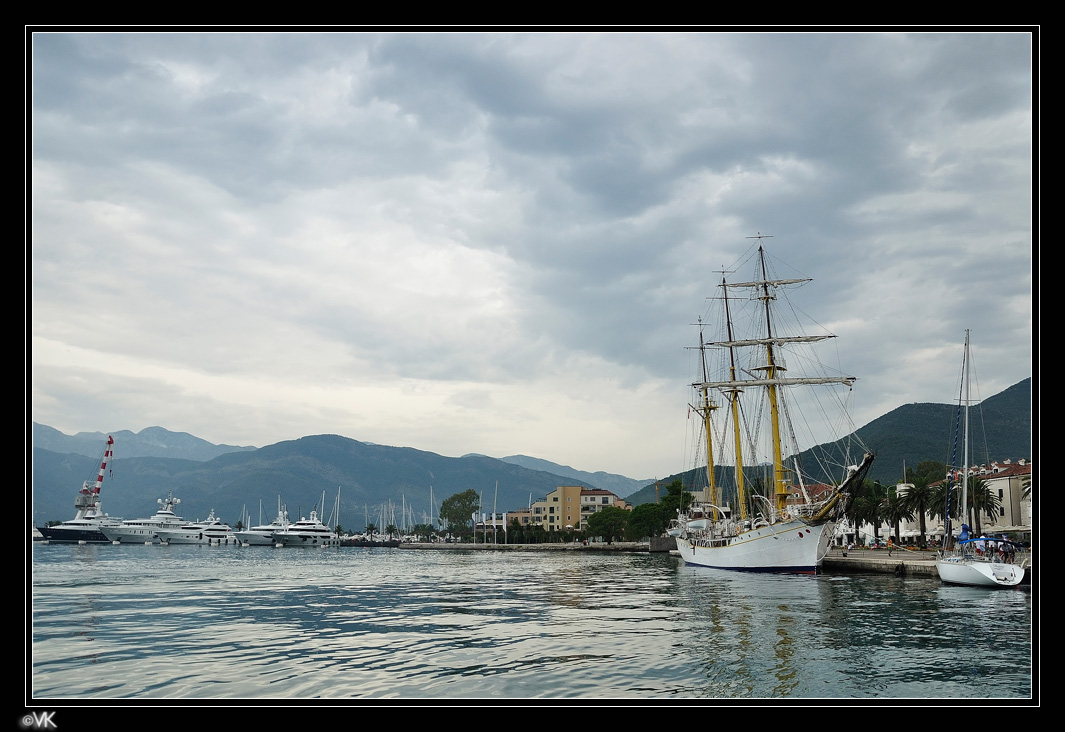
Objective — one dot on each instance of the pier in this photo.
(899, 562)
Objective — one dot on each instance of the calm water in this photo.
(257, 623)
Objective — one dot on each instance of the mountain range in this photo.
(402, 485)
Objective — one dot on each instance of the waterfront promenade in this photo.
(900, 562)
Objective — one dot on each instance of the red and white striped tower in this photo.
(103, 466)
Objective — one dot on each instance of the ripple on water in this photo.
(117, 622)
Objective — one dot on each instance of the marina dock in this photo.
(900, 562)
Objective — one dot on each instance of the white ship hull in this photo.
(89, 531)
(146, 530)
(978, 572)
(131, 535)
(139, 532)
(254, 537)
(198, 537)
(307, 532)
(296, 538)
(211, 531)
(788, 546)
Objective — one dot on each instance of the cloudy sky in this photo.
(498, 243)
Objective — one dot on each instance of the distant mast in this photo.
(705, 409)
(965, 447)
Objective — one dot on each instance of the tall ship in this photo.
(778, 512)
(89, 520)
(146, 530)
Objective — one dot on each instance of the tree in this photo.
(647, 519)
(370, 530)
(608, 523)
(422, 531)
(982, 500)
(919, 500)
(868, 506)
(391, 530)
(515, 533)
(929, 470)
(534, 534)
(676, 499)
(458, 509)
(894, 511)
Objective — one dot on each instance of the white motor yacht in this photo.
(307, 532)
(208, 531)
(263, 534)
(144, 531)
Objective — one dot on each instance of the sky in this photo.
(498, 243)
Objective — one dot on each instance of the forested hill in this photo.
(1000, 429)
(373, 479)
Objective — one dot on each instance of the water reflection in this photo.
(200, 622)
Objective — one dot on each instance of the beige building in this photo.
(568, 507)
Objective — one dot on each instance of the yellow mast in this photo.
(771, 378)
(734, 397)
(781, 490)
(707, 407)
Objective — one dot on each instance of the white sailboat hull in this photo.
(976, 572)
(789, 546)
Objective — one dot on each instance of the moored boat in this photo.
(89, 520)
(964, 565)
(209, 531)
(967, 562)
(145, 531)
(307, 532)
(263, 534)
(776, 532)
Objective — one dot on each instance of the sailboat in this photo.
(972, 561)
(788, 530)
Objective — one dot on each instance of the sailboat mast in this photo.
(965, 447)
(707, 407)
(734, 401)
(780, 491)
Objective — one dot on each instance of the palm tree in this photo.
(370, 530)
(920, 498)
(894, 511)
(946, 492)
(391, 529)
(867, 506)
(982, 500)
